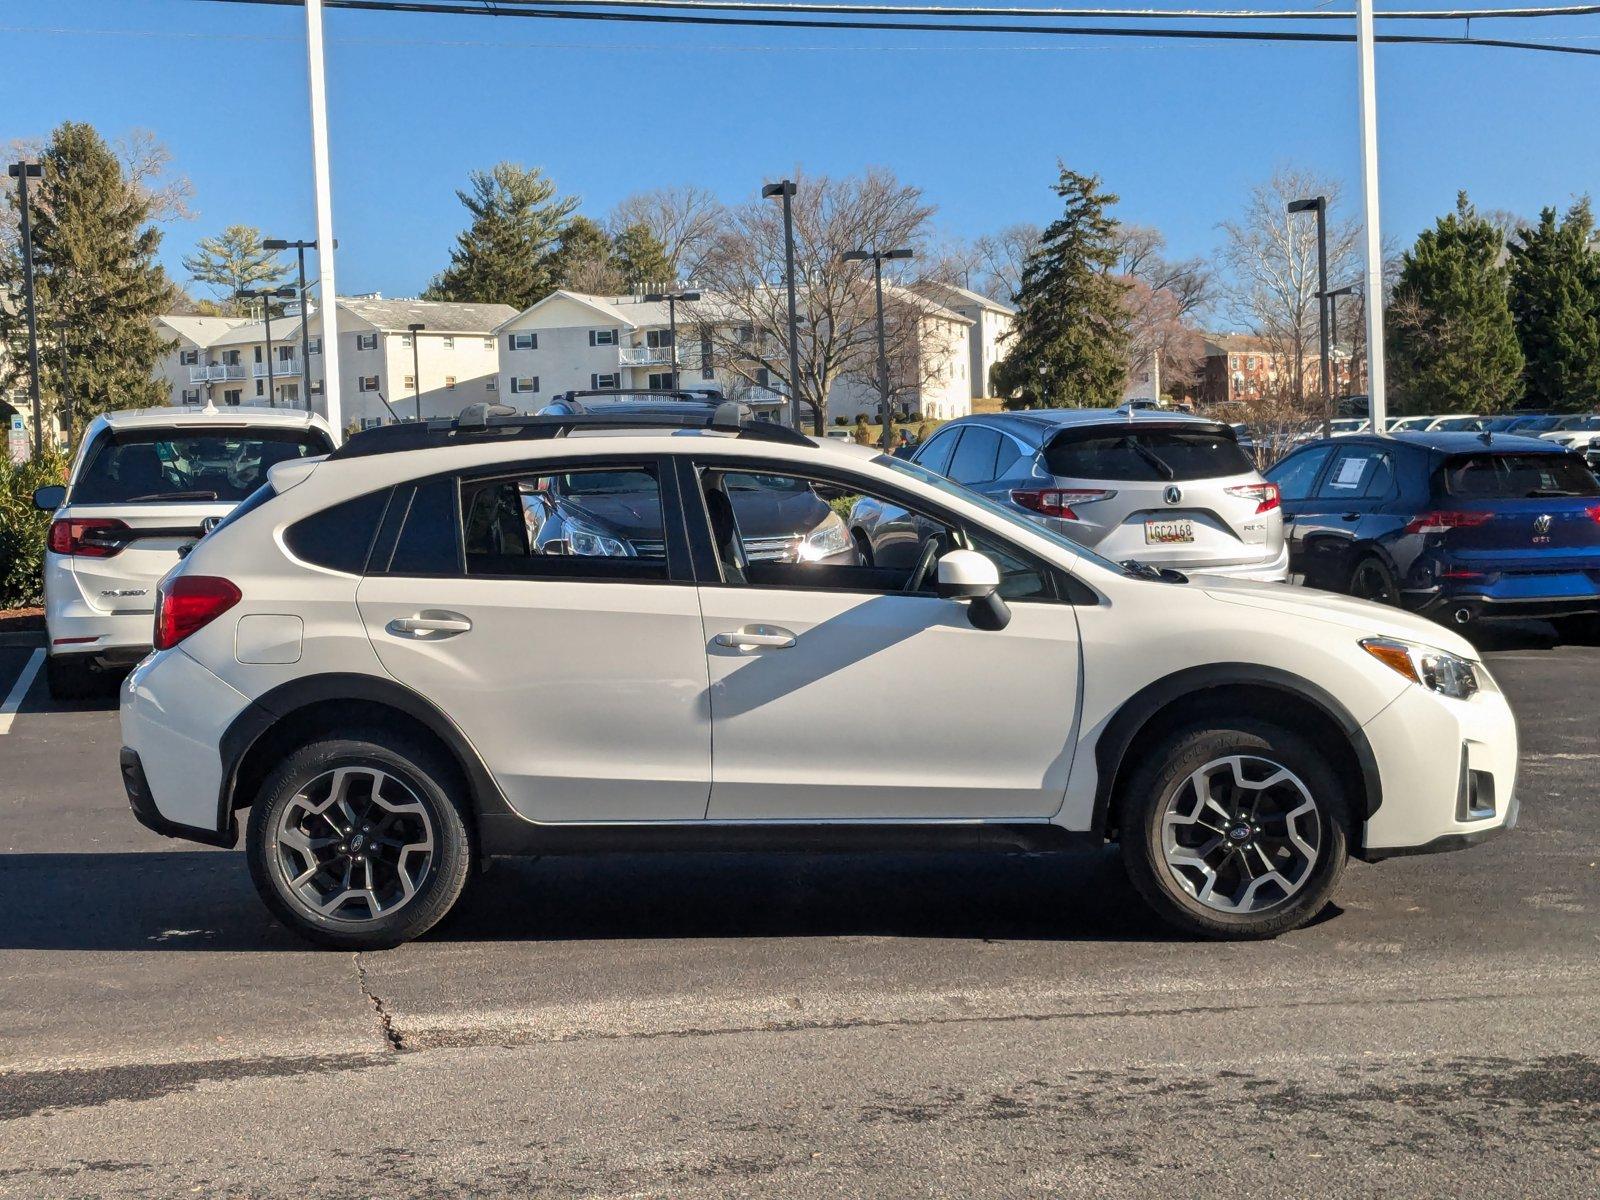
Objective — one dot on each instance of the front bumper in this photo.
(1448, 771)
(174, 713)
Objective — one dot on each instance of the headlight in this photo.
(591, 543)
(1433, 669)
(826, 540)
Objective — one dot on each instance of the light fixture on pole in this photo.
(22, 172)
(1319, 205)
(300, 248)
(416, 365)
(787, 189)
(267, 296)
(877, 259)
(672, 299)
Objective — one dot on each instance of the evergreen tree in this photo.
(98, 287)
(1452, 344)
(586, 260)
(1071, 339)
(642, 258)
(1555, 302)
(235, 261)
(507, 255)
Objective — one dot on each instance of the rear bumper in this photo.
(74, 627)
(148, 813)
(1481, 606)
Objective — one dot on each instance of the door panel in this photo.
(587, 700)
(887, 707)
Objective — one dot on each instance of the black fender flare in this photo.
(1111, 748)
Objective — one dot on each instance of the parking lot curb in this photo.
(27, 637)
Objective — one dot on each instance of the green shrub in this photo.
(23, 527)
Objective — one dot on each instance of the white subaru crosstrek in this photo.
(380, 660)
(144, 486)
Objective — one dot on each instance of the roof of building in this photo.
(1233, 343)
(440, 316)
(202, 331)
(633, 312)
(955, 295)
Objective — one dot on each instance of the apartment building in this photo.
(386, 371)
(1245, 367)
(992, 322)
(574, 341)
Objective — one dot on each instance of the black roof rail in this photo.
(478, 428)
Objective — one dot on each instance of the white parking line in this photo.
(19, 689)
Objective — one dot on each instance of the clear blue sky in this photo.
(1180, 130)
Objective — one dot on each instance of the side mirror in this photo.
(968, 575)
(50, 498)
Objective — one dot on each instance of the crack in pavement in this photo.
(386, 1027)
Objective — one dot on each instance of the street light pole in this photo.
(267, 296)
(672, 299)
(66, 389)
(1377, 395)
(876, 258)
(300, 249)
(787, 190)
(416, 365)
(1319, 205)
(1349, 289)
(22, 172)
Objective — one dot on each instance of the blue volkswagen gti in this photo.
(1458, 526)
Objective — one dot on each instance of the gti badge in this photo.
(1541, 529)
(1172, 495)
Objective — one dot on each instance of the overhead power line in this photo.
(519, 8)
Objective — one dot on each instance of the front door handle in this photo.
(767, 637)
(431, 623)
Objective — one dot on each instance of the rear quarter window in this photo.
(1150, 455)
(339, 537)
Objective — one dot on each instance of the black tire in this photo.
(424, 783)
(1371, 579)
(863, 547)
(1163, 776)
(72, 679)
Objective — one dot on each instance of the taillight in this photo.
(1444, 520)
(89, 537)
(1057, 502)
(186, 603)
(1594, 512)
(1266, 495)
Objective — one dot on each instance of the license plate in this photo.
(1168, 533)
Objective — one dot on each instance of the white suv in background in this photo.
(144, 486)
(383, 660)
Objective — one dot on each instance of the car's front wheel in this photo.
(1235, 832)
(358, 842)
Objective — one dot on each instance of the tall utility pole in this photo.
(1377, 399)
(22, 172)
(300, 249)
(1319, 205)
(877, 258)
(787, 190)
(672, 299)
(323, 187)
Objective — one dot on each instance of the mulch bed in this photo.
(21, 620)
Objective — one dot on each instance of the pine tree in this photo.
(1070, 344)
(643, 258)
(1452, 344)
(98, 287)
(586, 261)
(507, 255)
(1555, 302)
(234, 261)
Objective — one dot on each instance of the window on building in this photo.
(189, 358)
(191, 395)
(658, 339)
(449, 342)
(261, 387)
(316, 388)
(367, 383)
(492, 383)
(707, 355)
(707, 373)
(488, 343)
(258, 353)
(369, 341)
(605, 382)
(315, 347)
(286, 354)
(521, 384)
(660, 380)
(526, 341)
(449, 383)
(744, 335)
(411, 383)
(763, 377)
(233, 396)
(230, 358)
(602, 337)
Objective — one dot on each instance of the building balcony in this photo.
(280, 369)
(215, 372)
(644, 356)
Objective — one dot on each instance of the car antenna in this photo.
(1486, 437)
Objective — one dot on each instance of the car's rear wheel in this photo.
(72, 678)
(1371, 579)
(358, 842)
(863, 547)
(1235, 832)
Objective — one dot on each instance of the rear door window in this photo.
(174, 465)
(1517, 476)
(1358, 473)
(936, 454)
(1149, 455)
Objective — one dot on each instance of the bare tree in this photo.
(1001, 257)
(1163, 299)
(1271, 258)
(685, 220)
(1276, 417)
(744, 316)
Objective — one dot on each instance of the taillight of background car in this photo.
(1444, 520)
(89, 537)
(1266, 495)
(1057, 502)
(186, 603)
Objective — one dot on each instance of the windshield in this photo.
(606, 483)
(1536, 424)
(153, 466)
(950, 488)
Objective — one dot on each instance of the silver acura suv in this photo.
(1165, 489)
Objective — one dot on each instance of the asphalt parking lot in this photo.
(709, 1026)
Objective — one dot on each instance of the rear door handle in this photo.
(431, 623)
(1350, 517)
(768, 637)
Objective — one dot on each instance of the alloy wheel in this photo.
(354, 844)
(1371, 582)
(1241, 834)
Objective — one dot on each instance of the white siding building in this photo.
(991, 327)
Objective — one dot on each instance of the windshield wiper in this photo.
(1143, 570)
(1155, 460)
(171, 496)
